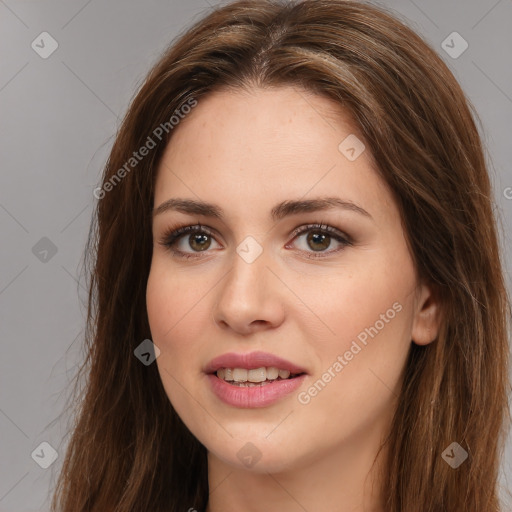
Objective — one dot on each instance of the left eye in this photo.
(319, 238)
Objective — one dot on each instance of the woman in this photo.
(297, 300)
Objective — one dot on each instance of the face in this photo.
(330, 288)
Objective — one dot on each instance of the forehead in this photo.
(243, 148)
(261, 123)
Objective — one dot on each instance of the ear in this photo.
(427, 319)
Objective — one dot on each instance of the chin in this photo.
(269, 461)
(254, 453)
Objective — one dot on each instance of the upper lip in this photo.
(250, 361)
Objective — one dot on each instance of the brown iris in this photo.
(201, 238)
(318, 238)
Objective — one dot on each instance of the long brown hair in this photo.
(129, 451)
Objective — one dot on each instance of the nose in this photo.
(251, 297)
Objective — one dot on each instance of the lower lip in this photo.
(256, 396)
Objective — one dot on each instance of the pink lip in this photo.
(250, 361)
(257, 396)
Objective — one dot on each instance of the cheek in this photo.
(350, 304)
(366, 316)
(358, 371)
(178, 316)
(172, 302)
(177, 319)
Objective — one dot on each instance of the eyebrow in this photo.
(281, 210)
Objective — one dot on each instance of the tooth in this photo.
(239, 374)
(284, 374)
(257, 375)
(272, 373)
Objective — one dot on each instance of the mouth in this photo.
(254, 379)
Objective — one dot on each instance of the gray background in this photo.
(58, 118)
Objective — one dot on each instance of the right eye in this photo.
(199, 240)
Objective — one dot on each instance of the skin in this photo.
(246, 152)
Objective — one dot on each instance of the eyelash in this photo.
(174, 234)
